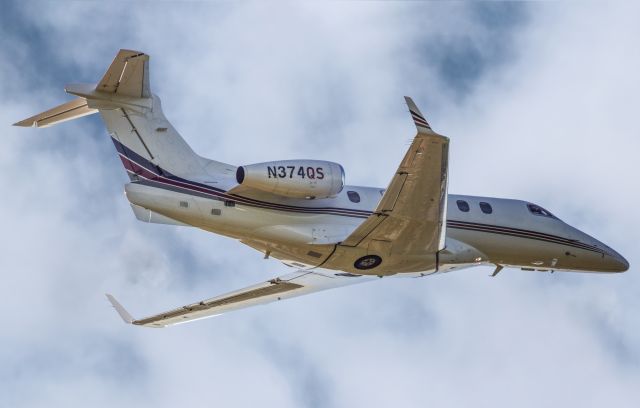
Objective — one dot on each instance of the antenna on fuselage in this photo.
(497, 271)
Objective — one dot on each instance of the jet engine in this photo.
(294, 178)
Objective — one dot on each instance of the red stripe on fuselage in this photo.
(143, 172)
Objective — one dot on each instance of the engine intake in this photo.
(294, 178)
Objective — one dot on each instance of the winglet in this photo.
(121, 310)
(421, 123)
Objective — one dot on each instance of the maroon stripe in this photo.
(416, 114)
(421, 122)
(518, 230)
(158, 172)
(532, 234)
(525, 234)
(145, 173)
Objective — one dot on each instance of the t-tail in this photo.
(147, 143)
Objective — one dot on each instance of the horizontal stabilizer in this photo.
(128, 75)
(67, 111)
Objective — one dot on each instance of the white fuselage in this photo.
(304, 233)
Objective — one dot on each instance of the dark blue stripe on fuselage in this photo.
(160, 178)
(522, 233)
(139, 165)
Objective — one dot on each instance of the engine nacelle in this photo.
(294, 178)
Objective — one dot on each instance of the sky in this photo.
(539, 100)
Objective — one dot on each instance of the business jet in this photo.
(302, 213)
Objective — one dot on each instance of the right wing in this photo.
(412, 212)
(284, 287)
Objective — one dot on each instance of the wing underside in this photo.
(412, 211)
(284, 287)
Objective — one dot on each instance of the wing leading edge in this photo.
(284, 287)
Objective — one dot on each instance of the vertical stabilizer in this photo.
(128, 75)
(148, 145)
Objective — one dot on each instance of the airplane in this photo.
(302, 213)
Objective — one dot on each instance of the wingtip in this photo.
(26, 123)
(411, 104)
(418, 118)
(120, 309)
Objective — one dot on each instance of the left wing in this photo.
(284, 287)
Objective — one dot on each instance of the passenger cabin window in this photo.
(486, 207)
(354, 197)
(537, 210)
(463, 205)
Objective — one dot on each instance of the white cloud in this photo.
(551, 121)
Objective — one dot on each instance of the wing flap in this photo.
(392, 193)
(364, 230)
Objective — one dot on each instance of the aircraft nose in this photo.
(610, 262)
(619, 264)
(613, 261)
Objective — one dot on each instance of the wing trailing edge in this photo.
(284, 287)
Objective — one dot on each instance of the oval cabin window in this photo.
(537, 210)
(463, 205)
(354, 197)
(486, 207)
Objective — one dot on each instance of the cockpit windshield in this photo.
(537, 210)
